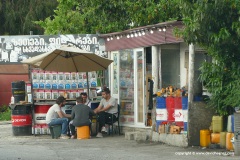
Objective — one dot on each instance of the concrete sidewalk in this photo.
(5, 122)
(110, 147)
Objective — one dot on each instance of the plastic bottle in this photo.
(12, 100)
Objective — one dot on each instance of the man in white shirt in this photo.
(55, 116)
(106, 108)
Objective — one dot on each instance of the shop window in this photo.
(126, 79)
(170, 61)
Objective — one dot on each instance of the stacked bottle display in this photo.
(50, 85)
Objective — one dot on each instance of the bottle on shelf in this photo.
(12, 100)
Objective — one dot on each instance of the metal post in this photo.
(30, 78)
(160, 67)
(87, 85)
(190, 86)
(155, 68)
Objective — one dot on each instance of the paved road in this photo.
(116, 147)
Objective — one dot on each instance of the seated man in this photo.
(107, 106)
(80, 116)
(85, 98)
(55, 116)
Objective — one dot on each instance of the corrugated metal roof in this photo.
(133, 30)
(14, 69)
(152, 37)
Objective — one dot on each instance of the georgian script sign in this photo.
(14, 49)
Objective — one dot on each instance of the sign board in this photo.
(14, 49)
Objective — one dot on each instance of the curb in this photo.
(5, 122)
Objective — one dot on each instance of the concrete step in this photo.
(179, 140)
(138, 136)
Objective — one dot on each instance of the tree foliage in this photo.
(105, 16)
(17, 16)
(215, 25)
(212, 24)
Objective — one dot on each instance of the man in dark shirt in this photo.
(80, 116)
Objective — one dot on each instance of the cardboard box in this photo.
(161, 128)
(80, 76)
(54, 94)
(61, 77)
(74, 77)
(73, 94)
(41, 85)
(61, 86)
(41, 76)
(54, 86)
(48, 86)
(54, 77)
(40, 94)
(80, 85)
(74, 85)
(48, 76)
(67, 76)
(48, 94)
(175, 129)
(61, 93)
(35, 75)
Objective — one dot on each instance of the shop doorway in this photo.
(140, 72)
(143, 72)
(130, 72)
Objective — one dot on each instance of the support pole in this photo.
(32, 94)
(160, 67)
(155, 68)
(87, 85)
(190, 86)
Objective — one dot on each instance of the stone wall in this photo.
(200, 117)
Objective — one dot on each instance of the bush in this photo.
(5, 113)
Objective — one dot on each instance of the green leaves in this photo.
(17, 16)
(5, 113)
(215, 25)
(106, 16)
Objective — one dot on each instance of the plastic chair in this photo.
(55, 131)
(112, 122)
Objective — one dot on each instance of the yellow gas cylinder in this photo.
(223, 139)
(215, 138)
(204, 138)
(229, 145)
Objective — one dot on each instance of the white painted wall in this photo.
(155, 68)
(183, 70)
